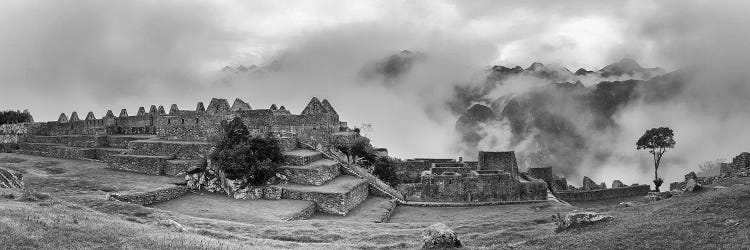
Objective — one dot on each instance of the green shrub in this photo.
(8, 147)
(8, 117)
(242, 157)
(385, 170)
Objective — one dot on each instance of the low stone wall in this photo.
(387, 216)
(15, 128)
(332, 203)
(177, 149)
(300, 160)
(311, 176)
(86, 141)
(472, 189)
(43, 139)
(181, 167)
(153, 165)
(151, 197)
(121, 141)
(467, 204)
(603, 194)
(58, 151)
(6, 139)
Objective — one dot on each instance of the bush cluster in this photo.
(240, 156)
(9, 117)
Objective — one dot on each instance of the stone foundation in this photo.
(338, 202)
(603, 194)
(181, 167)
(151, 197)
(177, 149)
(315, 173)
(302, 157)
(153, 165)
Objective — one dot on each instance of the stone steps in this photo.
(301, 157)
(315, 173)
(337, 196)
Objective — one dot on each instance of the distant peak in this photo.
(535, 66)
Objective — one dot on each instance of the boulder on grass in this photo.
(578, 219)
(693, 186)
(10, 179)
(439, 236)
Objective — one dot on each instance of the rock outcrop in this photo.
(617, 184)
(439, 236)
(693, 186)
(10, 179)
(578, 219)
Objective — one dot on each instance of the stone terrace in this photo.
(313, 178)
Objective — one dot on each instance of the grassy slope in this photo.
(79, 217)
(712, 219)
(63, 225)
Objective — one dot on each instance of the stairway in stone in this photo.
(313, 178)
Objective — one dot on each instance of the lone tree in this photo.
(656, 141)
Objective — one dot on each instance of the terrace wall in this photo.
(475, 188)
(603, 194)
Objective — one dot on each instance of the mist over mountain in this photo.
(550, 117)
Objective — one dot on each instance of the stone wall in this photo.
(740, 166)
(505, 161)
(332, 203)
(194, 126)
(11, 135)
(16, 128)
(544, 174)
(311, 175)
(176, 149)
(476, 188)
(151, 197)
(153, 165)
(603, 194)
(410, 171)
(314, 127)
(57, 151)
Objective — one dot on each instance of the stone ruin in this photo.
(493, 179)
(739, 167)
(178, 142)
(591, 191)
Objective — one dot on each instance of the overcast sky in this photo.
(64, 56)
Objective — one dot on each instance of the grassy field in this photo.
(75, 215)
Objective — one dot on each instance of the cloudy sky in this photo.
(64, 56)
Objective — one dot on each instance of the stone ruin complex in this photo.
(175, 142)
(739, 167)
(493, 179)
(590, 191)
